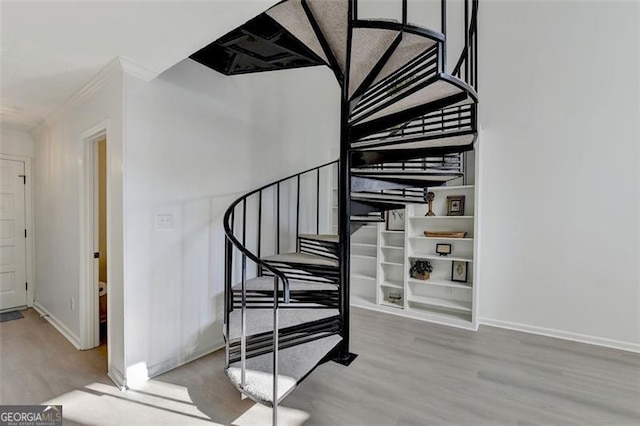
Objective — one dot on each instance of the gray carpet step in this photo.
(440, 89)
(301, 259)
(331, 16)
(408, 175)
(412, 199)
(439, 142)
(294, 364)
(291, 15)
(266, 284)
(261, 320)
(325, 238)
(366, 219)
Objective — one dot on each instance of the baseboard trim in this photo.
(175, 362)
(565, 335)
(58, 325)
(117, 377)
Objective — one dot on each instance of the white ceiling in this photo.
(49, 50)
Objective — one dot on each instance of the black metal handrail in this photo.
(240, 246)
(469, 55)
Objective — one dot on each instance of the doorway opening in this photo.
(94, 287)
(100, 195)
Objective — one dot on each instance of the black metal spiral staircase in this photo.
(404, 123)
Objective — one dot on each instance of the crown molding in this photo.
(136, 70)
(116, 65)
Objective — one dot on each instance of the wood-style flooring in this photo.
(408, 373)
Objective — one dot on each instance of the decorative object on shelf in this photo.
(395, 220)
(455, 205)
(443, 249)
(459, 271)
(430, 197)
(395, 297)
(444, 234)
(421, 269)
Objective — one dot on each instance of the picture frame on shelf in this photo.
(459, 271)
(443, 249)
(395, 220)
(455, 205)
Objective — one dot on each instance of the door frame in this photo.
(28, 224)
(88, 290)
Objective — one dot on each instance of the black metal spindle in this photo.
(278, 219)
(466, 39)
(443, 25)
(259, 225)
(298, 208)
(318, 201)
(404, 12)
(475, 48)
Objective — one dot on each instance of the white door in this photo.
(13, 267)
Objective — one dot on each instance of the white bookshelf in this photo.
(439, 299)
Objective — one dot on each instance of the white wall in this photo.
(14, 142)
(59, 165)
(195, 141)
(560, 187)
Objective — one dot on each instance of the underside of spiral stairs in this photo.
(405, 124)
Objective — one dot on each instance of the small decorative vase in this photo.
(430, 197)
(423, 277)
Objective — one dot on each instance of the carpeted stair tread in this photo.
(386, 198)
(410, 47)
(266, 284)
(331, 16)
(291, 15)
(294, 364)
(458, 140)
(326, 238)
(365, 219)
(261, 320)
(438, 90)
(301, 259)
(368, 46)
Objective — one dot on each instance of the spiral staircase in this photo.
(405, 123)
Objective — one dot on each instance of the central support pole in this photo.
(344, 200)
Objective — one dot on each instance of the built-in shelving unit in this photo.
(439, 299)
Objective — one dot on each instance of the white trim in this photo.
(117, 377)
(565, 335)
(117, 64)
(58, 325)
(178, 361)
(85, 92)
(138, 71)
(29, 225)
(88, 292)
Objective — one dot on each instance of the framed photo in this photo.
(459, 271)
(455, 205)
(395, 220)
(443, 249)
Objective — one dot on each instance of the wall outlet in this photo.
(73, 303)
(164, 221)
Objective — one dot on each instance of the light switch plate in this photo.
(164, 221)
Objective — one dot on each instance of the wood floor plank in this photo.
(408, 373)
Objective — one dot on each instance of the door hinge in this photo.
(96, 255)
(25, 233)
(26, 286)
(24, 178)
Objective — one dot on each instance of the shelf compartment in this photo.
(442, 283)
(457, 305)
(361, 276)
(419, 238)
(415, 218)
(435, 256)
(392, 284)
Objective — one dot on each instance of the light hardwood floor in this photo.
(407, 373)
